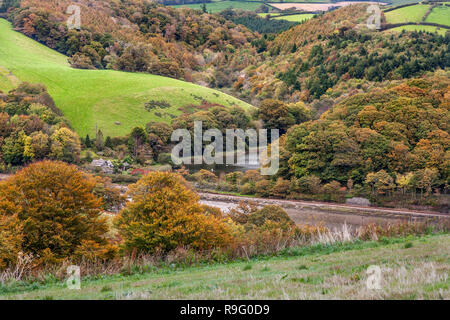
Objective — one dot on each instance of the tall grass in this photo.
(267, 245)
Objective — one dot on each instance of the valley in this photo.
(124, 125)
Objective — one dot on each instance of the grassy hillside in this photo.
(90, 98)
(411, 268)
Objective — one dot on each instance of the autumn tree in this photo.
(11, 238)
(275, 115)
(380, 181)
(56, 207)
(65, 145)
(164, 214)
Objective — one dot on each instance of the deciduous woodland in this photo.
(362, 114)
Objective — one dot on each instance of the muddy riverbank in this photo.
(331, 215)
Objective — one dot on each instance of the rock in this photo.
(117, 123)
(358, 201)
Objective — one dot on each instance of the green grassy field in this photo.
(439, 14)
(272, 14)
(407, 14)
(418, 28)
(296, 17)
(411, 268)
(218, 6)
(90, 98)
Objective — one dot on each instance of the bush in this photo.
(270, 213)
(247, 188)
(281, 188)
(262, 188)
(205, 176)
(166, 214)
(56, 208)
(92, 251)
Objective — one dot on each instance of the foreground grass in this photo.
(412, 268)
(97, 98)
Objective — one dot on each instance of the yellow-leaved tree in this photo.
(165, 213)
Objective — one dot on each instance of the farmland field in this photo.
(296, 17)
(412, 268)
(440, 14)
(218, 6)
(312, 7)
(418, 28)
(407, 14)
(97, 98)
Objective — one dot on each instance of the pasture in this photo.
(214, 7)
(407, 14)
(440, 15)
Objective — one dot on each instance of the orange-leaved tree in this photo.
(56, 207)
(165, 213)
(11, 238)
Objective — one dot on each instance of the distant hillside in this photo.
(310, 60)
(113, 101)
(135, 35)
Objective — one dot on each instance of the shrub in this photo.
(241, 213)
(270, 213)
(205, 176)
(262, 188)
(92, 251)
(56, 208)
(281, 188)
(251, 176)
(307, 184)
(234, 177)
(248, 188)
(166, 214)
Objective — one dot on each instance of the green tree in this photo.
(99, 141)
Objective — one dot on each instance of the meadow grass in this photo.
(93, 99)
(418, 28)
(296, 17)
(439, 14)
(412, 268)
(407, 14)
